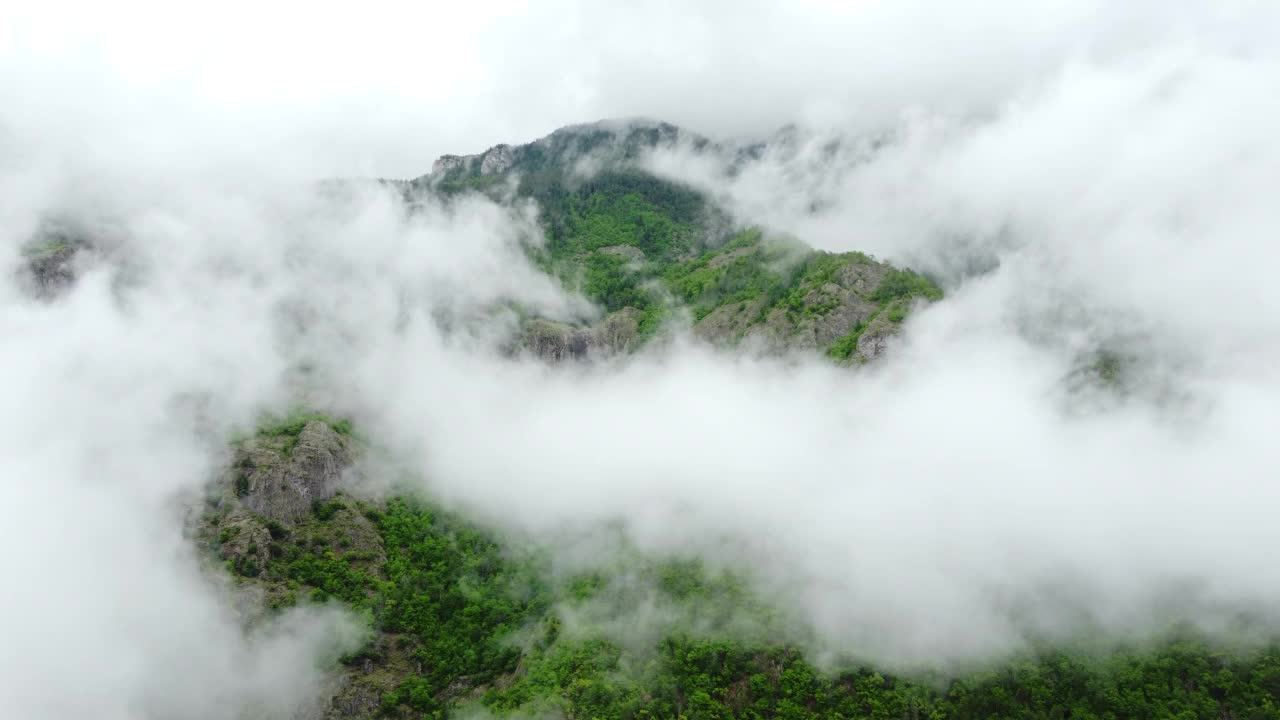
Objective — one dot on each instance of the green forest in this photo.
(464, 619)
(467, 622)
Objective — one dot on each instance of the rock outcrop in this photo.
(497, 159)
(824, 313)
(554, 342)
(281, 478)
(494, 161)
(449, 163)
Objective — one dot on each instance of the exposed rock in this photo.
(781, 331)
(726, 258)
(345, 531)
(449, 163)
(728, 323)
(354, 700)
(494, 161)
(282, 478)
(556, 342)
(497, 159)
(52, 257)
(774, 334)
(379, 669)
(616, 332)
(851, 310)
(875, 339)
(862, 277)
(245, 542)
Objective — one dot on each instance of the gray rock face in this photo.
(246, 542)
(281, 483)
(51, 272)
(556, 342)
(616, 332)
(497, 159)
(727, 323)
(51, 262)
(840, 320)
(828, 312)
(779, 330)
(875, 339)
(862, 278)
(447, 163)
(494, 161)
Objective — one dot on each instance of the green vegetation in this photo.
(44, 249)
(292, 424)
(481, 624)
(450, 586)
(462, 618)
(844, 348)
(445, 588)
(651, 320)
(466, 621)
(747, 268)
(897, 289)
(625, 238)
(285, 430)
(617, 209)
(819, 269)
(905, 283)
(460, 184)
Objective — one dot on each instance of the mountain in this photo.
(465, 620)
(656, 254)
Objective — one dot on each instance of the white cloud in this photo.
(1117, 160)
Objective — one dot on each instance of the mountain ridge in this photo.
(659, 254)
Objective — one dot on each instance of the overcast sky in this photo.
(384, 87)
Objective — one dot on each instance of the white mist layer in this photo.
(937, 508)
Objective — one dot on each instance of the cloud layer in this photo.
(1111, 170)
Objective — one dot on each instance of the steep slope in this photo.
(50, 258)
(654, 253)
(461, 619)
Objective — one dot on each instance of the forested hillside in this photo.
(655, 254)
(466, 620)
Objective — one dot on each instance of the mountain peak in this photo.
(610, 138)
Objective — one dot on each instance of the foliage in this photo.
(451, 586)
(609, 282)
(899, 283)
(481, 622)
(292, 424)
(747, 268)
(286, 430)
(844, 347)
(624, 237)
(45, 249)
(445, 586)
(651, 319)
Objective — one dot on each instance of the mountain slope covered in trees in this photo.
(464, 619)
(654, 253)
